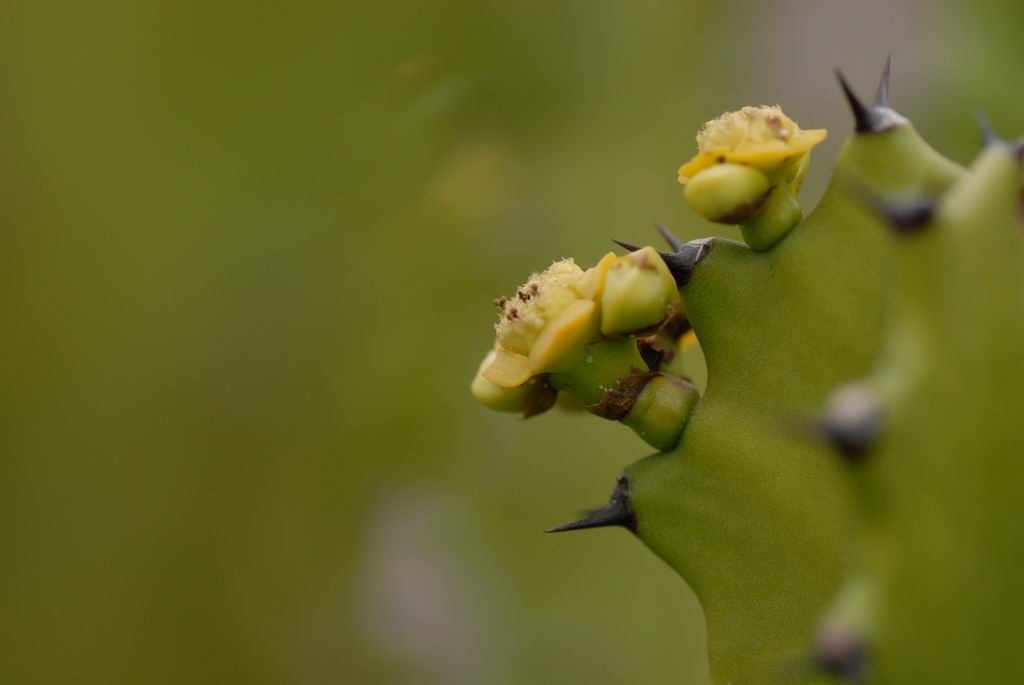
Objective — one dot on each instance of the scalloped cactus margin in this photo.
(747, 503)
(936, 595)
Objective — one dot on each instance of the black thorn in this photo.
(882, 94)
(618, 512)
(841, 654)
(879, 117)
(861, 114)
(907, 215)
(673, 242)
(626, 246)
(682, 262)
(853, 421)
(989, 137)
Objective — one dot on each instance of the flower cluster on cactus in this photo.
(599, 335)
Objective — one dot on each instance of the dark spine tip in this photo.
(618, 512)
(670, 237)
(853, 422)
(861, 114)
(882, 94)
(990, 138)
(630, 247)
(879, 117)
(682, 262)
(906, 215)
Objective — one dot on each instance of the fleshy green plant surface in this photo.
(937, 592)
(745, 500)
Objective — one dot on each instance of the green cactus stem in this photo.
(904, 288)
(940, 485)
(747, 510)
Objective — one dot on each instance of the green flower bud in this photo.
(605, 363)
(638, 291)
(727, 193)
(661, 409)
(779, 212)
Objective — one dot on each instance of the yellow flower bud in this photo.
(637, 292)
(549, 321)
(561, 344)
(592, 284)
(727, 193)
(507, 369)
(536, 304)
(762, 137)
(749, 167)
(494, 396)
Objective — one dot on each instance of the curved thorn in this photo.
(616, 513)
(685, 260)
(630, 247)
(861, 114)
(882, 94)
(670, 238)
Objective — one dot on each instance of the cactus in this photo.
(745, 498)
(936, 589)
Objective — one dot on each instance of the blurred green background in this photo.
(248, 256)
